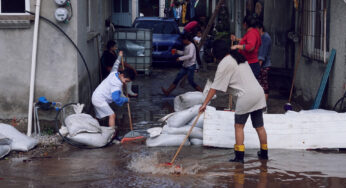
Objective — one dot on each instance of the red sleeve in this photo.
(250, 42)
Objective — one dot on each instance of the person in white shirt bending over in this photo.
(234, 75)
(110, 91)
(189, 65)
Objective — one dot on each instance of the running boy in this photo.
(110, 91)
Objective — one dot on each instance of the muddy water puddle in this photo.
(135, 165)
(138, 166)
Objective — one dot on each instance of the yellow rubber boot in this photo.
(239, 151)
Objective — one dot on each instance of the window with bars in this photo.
(315, 29)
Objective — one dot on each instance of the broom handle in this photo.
(295, 70)
(187, 136)
(127, 95)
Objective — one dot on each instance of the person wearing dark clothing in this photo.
(264, 59)
(108, 59)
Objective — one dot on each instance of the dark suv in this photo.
(166, 35)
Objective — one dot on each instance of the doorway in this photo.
(121, 15)
(149, 7)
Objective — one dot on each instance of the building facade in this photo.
(60, 73)
(304, 31)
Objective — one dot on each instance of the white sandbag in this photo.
(4, 150)
(20, 142)
(181, 118)
(195, 133)
(163, 119)
(166, 140)
(154, 132)
(196, 141)
(82, 123)
(63, 131)
(4, 140)
(199, 123)
(317, 111)
(207, 88)
(94, 139)
(187, 100)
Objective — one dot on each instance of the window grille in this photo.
(315, 29)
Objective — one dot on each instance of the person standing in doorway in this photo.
(234, 74)
(188, 68)
(264, 59)
(249, 45)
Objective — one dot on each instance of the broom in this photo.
(132, 135)
(171, 163)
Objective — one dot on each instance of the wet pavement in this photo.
(135, 165)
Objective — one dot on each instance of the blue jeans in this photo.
(190, 71)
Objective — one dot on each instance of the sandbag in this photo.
(4, 150)
(94, 139)
(163, 119)
(195, 133)
(20, 142)
(4, 140)
(187, 100)
(82, 123)
(181, 118)
(199, 123)
(166, 140)
(63, 131)
(154, 132)
(196, 141)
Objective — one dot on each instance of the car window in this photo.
(158, 27)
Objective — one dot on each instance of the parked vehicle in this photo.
(166, 36)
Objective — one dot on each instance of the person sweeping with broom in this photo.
(235, 74)
(110, 91)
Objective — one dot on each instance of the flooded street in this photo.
(135, 165)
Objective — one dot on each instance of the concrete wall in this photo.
(56, 67)
(310, 72)
(87, 43)
(60, 74)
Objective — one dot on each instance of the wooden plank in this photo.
(324, 80)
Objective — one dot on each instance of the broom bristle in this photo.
(124, 140)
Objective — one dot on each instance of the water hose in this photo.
(341, 100)
(76, 47)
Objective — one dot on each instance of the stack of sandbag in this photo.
(12, 139)
(84, 129)
(177, 125)
(190, 99)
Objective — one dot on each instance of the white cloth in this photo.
(102, 96)
(198, 40)
(178, 12)
(242, 84)
(189, 55)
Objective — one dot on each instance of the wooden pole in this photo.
(210, 23)
(186, 137)
(128, 104)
